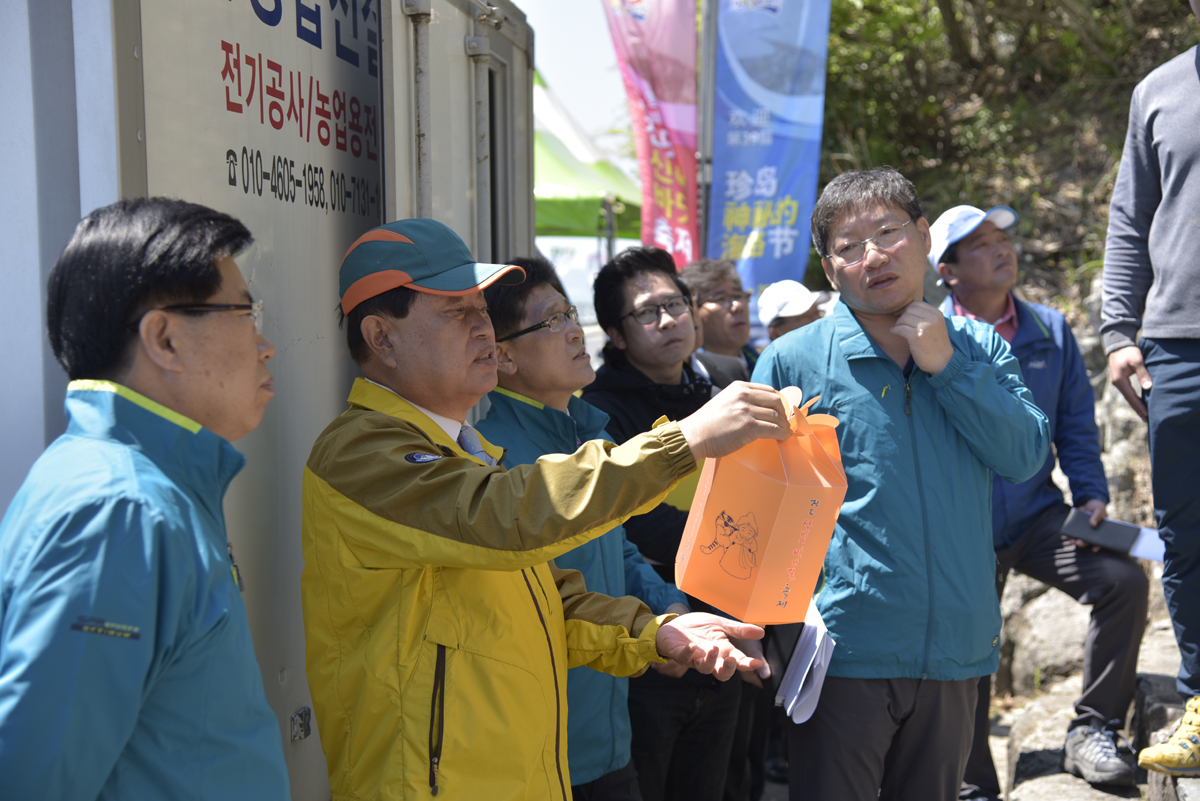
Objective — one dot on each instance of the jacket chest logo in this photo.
(1037, 364)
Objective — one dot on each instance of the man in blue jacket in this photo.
(930, 409)
(126, 666)
(542, 361)
(973, 254)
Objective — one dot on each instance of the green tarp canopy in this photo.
(571, 178)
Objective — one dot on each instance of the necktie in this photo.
(468, 440)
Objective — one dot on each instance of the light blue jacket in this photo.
(126, 666)
(1053, 369)
(910, 586)
(598, 732)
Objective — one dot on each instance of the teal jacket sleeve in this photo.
(982, 392)
(80, 630)
(641, 581)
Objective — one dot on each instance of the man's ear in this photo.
(946, 271)
(375, 332)
(504, 359)
(926, 236)
(160, 336)
(617, 337)
(830, 274)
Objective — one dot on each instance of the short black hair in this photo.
(506, 303)
(123, 260)
(395, 303)
(856, 190)
(950, 254)
(608, 290)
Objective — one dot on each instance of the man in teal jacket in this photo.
(541, 361)
(126, 666)
(929, 410)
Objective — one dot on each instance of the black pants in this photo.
(620, 785)
(682, 736)
(1115, 586)
(883, 740)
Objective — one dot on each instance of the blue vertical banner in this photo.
(770, 104)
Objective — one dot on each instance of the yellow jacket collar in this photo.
(369, 395)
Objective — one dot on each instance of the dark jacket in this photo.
(1053, 369)
(633, 402)
(722, 370)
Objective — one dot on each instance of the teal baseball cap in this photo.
(424, 255)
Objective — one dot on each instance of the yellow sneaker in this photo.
(1180, 755)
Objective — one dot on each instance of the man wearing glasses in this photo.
(683, 724)
(929, 409)
(541, 362)
(126, 666)
(722, 309)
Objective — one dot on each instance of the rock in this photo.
(1065, 787)
(1119, 422)
(1092, 350)
(1019, 590)
(1035, 739)
(1188, 789)
(1159, 653)
(1158, 604)
(1094, 300)
(1048, 636)
(1157, 709)
(1160, 787)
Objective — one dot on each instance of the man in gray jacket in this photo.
(1152, 282)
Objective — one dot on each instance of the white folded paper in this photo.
(801, 685)
(1148, 545)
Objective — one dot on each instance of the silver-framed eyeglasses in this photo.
(886, 237)
(676, 306)
(555, 322)
(255, 309)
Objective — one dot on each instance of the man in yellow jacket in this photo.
(439, 632)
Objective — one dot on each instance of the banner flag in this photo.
(655, 42)
(768, 111)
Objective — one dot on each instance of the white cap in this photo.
(784, 299)
(960, 221)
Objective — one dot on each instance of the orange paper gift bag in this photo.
(761, 521)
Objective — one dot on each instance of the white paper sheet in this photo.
(800, 688)
(1148, 545)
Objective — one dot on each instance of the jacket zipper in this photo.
(437, 717)
(912, 431)
(562, 786)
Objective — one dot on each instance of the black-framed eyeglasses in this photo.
(255, 309)
(676, 306)
(887, 236)
(555, 322)
(727, 301)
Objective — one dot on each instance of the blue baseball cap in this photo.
(960, 221)
(424, 255)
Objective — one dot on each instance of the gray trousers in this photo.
(1116, 588)
(883, 740)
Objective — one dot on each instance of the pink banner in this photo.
(656, 50)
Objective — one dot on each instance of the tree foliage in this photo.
(1022, 102)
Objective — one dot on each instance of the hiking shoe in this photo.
(1091, 753)
(1180, 755)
